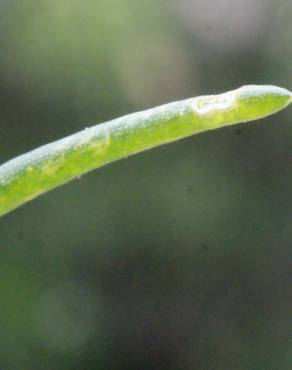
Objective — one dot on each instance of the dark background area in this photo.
(176, 258)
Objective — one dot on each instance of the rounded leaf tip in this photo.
(263, 100)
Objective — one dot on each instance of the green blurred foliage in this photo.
(177, 258)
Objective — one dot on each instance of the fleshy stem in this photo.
(27, 176)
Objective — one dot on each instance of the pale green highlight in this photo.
(27, 176)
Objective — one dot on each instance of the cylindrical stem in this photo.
(54, 164)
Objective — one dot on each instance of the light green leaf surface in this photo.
(27, 176)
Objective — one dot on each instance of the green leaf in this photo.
(27, 176)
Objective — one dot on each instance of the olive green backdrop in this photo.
(177, 258)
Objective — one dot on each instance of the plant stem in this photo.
(25, 177)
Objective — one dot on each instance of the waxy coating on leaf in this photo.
(248, 103)
(27, 176)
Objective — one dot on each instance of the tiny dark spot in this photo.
(20, 234)
(204, 247)
(238, 131)
(189, 190)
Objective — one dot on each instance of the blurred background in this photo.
(176, 258)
